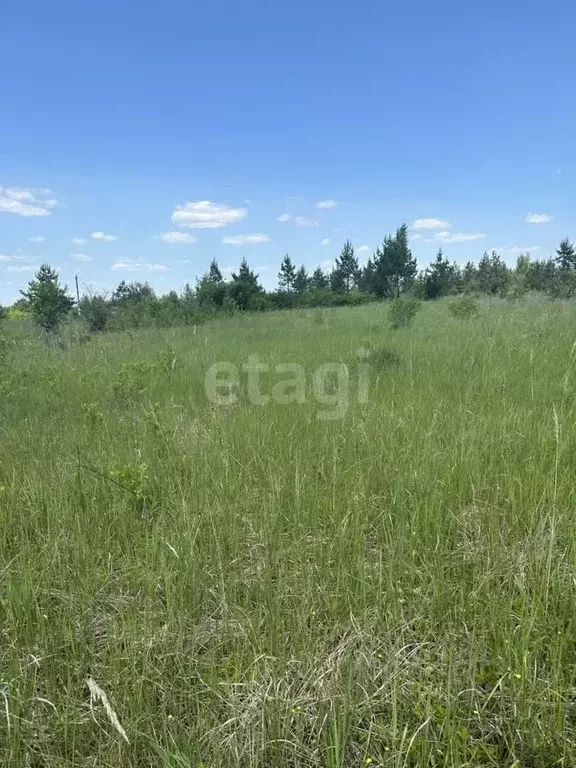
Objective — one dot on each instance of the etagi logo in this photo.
(332, 385)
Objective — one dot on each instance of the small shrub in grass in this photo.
(402, 312)
(463, 308)
(96, 312)
(384, 357)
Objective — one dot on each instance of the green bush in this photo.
(402, 312)
(463, 308)
(96, 312)
(384, 357)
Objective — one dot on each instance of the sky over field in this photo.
(140, 140)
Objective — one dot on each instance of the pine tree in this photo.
(492, 274)
(121, 293)
(566, 258)
(47, 299)
(287, 274)
(439, 277)
(210, 289)
(347, 269)
(319, 280)
(214, 274)
(337, 281)
(301, 280)
(394, 265)
(244, 287)
(367, 277)
(469, 276)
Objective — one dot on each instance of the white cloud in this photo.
(206, 215)
(455, 237)
(327, 204)
(24, 268)
(538, 218)
(303, 221)
(103, 236)
(510, 250)
(177, 238)
(81, 256)
(415, 237)
(13, 257)
(326, 241)
(27, 202)
(78, 240)
(284, 217)
(136, 265)
(37, 239)
(246, 239)
(430, 224)
(327, 265)
(363, 249)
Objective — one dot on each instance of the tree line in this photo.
(389, 273)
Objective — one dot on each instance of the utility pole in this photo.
(77, 292)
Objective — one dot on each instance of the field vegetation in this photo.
(189, 584)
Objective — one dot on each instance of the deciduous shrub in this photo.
(402, 312)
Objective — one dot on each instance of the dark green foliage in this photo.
(2, 313)
(463, 308)
(440, 278)
(96, 312)
(402, 312)
(566, 255)
(469, 277)
(492, 274)
(563, 286)
(210, 289)
(245, 290)
(48, 301)
(384, 357)
(301, 281)
(286, 275)
(390, 273)
(319, 279)
(134, 292)
(214, 274)
(394, 267)
(347, 272)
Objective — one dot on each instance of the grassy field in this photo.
(256, 586)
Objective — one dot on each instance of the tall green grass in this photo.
(252, 586)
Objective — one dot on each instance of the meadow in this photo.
(251, 585)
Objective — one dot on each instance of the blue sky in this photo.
(132, 120)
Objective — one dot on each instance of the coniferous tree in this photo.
(287, 274)
(245, 288)
(337, 281)
(210, 289)
(367, 277)
(439, 277)
(214, 274)
(47, 299)
(394, 265)
(493, 274)
(347, 269)
(319, 280)
(469, 277)
(566, 255)
(301, 280)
